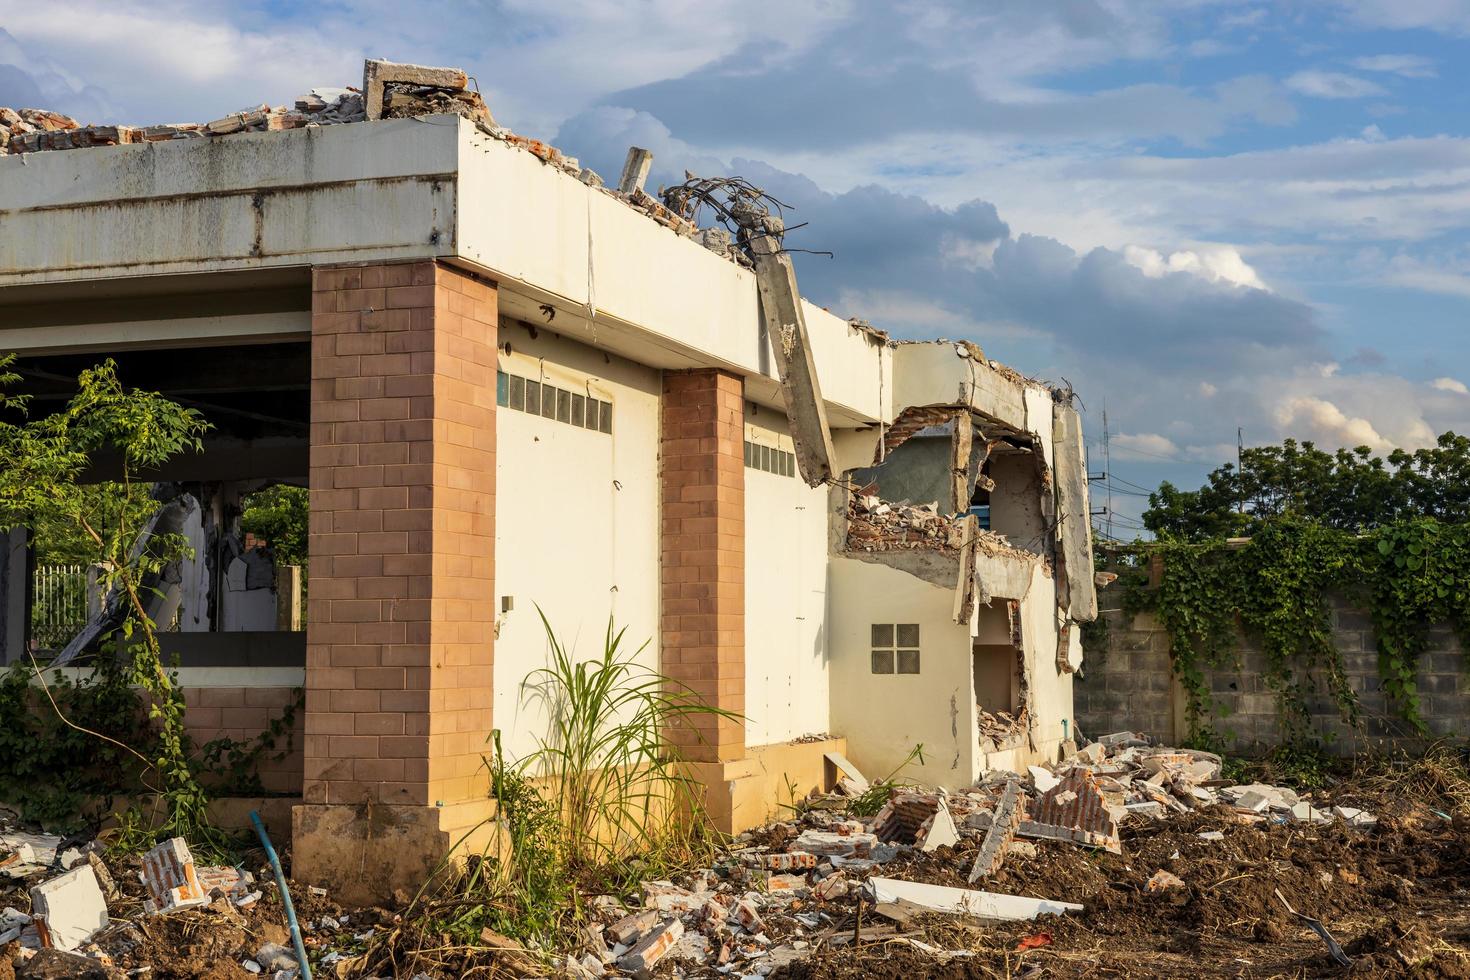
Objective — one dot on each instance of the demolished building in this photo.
(510, 387)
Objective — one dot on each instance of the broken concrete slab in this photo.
(69, 908)
(849, 771)
(1307, 813)
(630, 927)
(987, 906)
(1001, 833)
(376, 75)
(171, 878)
(1074, 567)
(1075, 810)
(785, 324)
(635, 170)
(942, 831)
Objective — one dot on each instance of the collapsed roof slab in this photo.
(954, 373)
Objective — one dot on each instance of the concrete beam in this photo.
(14, 595)
(635, 170)
(376, 75)
(961, 446)
(1074, 559)
(786, 325)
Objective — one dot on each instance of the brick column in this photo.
(400, 630)
(703, 552)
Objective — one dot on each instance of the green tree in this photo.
(278, 515)
(42, 463)
(1350, 489)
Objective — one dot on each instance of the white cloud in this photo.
(1319, 420)
(1446, 16)
(1372, 133)
(1407, 65)
(1208, 390)
(1450, 385)
(1220, 263)
(1144, 444)
(1447, 276)
(1332, 85)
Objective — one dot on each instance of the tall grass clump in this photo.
(603, 801)
(622, 786)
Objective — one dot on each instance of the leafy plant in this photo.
(621, 782)
(233, 765)
(878, 792)
(51, 771)
(278, 514)
(605, 800)
(42, 467)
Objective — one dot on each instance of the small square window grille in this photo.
(550, 402)
(769, 459)
(895, 648)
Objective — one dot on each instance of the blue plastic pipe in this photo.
(270, 852)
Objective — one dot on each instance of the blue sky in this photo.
(1205, 214)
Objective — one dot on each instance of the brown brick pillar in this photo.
(400, 630)
(703, 552)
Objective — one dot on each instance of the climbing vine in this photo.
(1275, 589)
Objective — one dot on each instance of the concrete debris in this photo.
(850, 772)
(873, 525)
(1043, 780)
(1306, 813)
(171, 878)
(986, 906)
(1164, 881)
(941, 832)
(23, 855)
(1001, 831)
(1076, 809)
(273, 957)
(652, 948)
(68, 909)
(1354, 817)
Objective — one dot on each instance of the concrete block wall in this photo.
(702, 552)
(243, 713)
(400, 636)
(1130, 685)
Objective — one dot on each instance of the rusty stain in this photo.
(433, 180)
(257, 205)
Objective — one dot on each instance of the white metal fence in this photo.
(59, 607)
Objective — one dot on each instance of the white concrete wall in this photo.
(786, 679)
(1051, 690)
(883, 716)
(360, 193)
(660, 298)
(576, 528)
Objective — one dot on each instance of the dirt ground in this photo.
(1396, 897)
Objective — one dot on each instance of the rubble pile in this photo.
(1119, 827)
(35, 130)
(876, 525)
(1000, 726)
